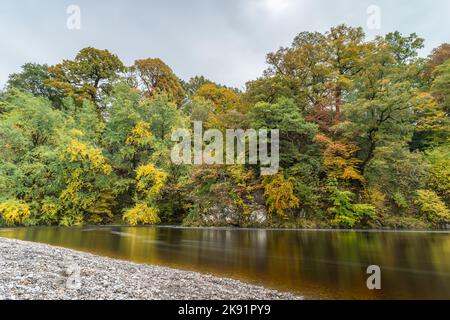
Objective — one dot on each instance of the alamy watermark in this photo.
(374, 280)
(208, 147)
(73, 273)
(374, 19)
(74, 19)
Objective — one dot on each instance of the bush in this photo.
(345, 212)
(377, 199)
(150, 180)
(405, 222)
(72, 220)
(279, 193)
(14, 212)
(400, 200)
(141, 214)
(431, 205)
(49, 211)
(439, 172)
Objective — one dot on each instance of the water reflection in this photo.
(317, 264)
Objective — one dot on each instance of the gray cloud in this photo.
(224, 40)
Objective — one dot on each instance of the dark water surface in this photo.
(316, 264)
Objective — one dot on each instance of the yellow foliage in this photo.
(350, 173)
(82, 194)
(150, 180)
(77, 151)
(223, 98)
(376, 198)
(140, 135)
(49, 211)
(73, 220)
(101, 210)
(14, 212)
(76, 133)
(433, 117)
(431, 205)
(141, 214)
(241, 175)
(279, 194)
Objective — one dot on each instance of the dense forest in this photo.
(364, 139)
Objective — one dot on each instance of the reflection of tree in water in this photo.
(329, 264)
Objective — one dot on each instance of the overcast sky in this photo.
(224, 40)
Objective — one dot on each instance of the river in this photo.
(317, 264)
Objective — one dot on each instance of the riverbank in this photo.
(38, 271)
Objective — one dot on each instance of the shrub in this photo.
(279, 194)
(49, 211)
(345, 212)
(14, 212)
(72, 220)
(150, 180)
(405, 222)
(400, 200)
(431, 205)
(439, 172)
(141, 214)
(377, 199)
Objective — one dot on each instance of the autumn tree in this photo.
(346, 50)
(339, 159)
(279, 193)
(153, 76)
(149, 182)
(316, 71)
(222, 98)
(440, 87)
(86, 196)
(437, 57)
(88, 77)
(299, 72)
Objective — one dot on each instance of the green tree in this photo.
(194, 84)
(381, 110)
(296, 134)
(404, 48)
(32, 79)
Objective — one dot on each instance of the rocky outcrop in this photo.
(224, 212)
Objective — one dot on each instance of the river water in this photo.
(314, 263)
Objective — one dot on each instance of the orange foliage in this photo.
(339, 160)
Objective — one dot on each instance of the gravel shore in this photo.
(34, 271)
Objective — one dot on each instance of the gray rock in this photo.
(222, 215)
(258, 215)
